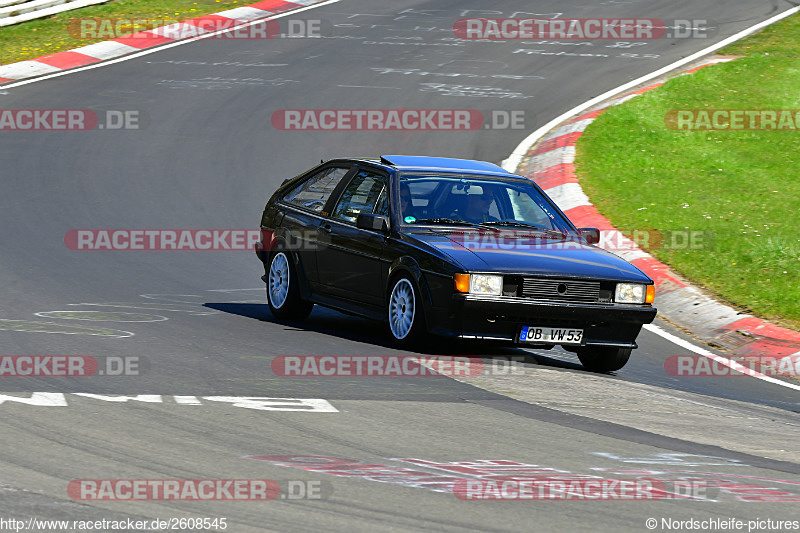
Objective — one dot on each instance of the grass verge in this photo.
(49, 35)
(743, 186)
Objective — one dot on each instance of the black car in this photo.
(449, 247)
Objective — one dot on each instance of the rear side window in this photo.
(314, 192)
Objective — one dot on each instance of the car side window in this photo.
(314, 192)
(530, 209)
(364, 194)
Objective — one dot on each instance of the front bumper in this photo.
(501, 318)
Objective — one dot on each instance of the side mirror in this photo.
(372, 222)
(592, 235)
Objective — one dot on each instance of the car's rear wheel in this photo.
(283, 294)
(603, 359)
(406, 318)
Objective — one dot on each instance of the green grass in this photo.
(49, 35)
(744, 186)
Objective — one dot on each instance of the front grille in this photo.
(561, 290)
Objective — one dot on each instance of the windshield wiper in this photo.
(515, 224)
(456, 222)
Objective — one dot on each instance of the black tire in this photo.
(602, 359)
(406, 322)
(283, 294)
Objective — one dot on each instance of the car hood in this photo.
(529, 256)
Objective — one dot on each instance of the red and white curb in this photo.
(550, 163)
(97, 52)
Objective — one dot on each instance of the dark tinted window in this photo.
(362, 195)
(383, 204)
(314, 192)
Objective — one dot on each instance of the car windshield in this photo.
(476, 200)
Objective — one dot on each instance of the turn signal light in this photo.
(462, 282)
(650, 297)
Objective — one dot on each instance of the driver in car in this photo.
(477, 209)
(407, 208)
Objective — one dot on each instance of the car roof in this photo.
(416, 162)
(404, 163)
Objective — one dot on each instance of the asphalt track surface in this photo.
(208, 157)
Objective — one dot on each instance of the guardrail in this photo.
(16, 11)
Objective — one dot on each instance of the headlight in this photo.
(630, 293)
(486, 284)
(479, 284)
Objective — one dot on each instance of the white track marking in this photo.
(512, 162)
(87, 316)
(165, 46)
(29, 326)
(258, 403)
(733, 365)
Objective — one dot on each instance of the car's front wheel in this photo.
(283, 294)
(603, 359)
(406, 316)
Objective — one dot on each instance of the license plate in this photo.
(551, 335)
